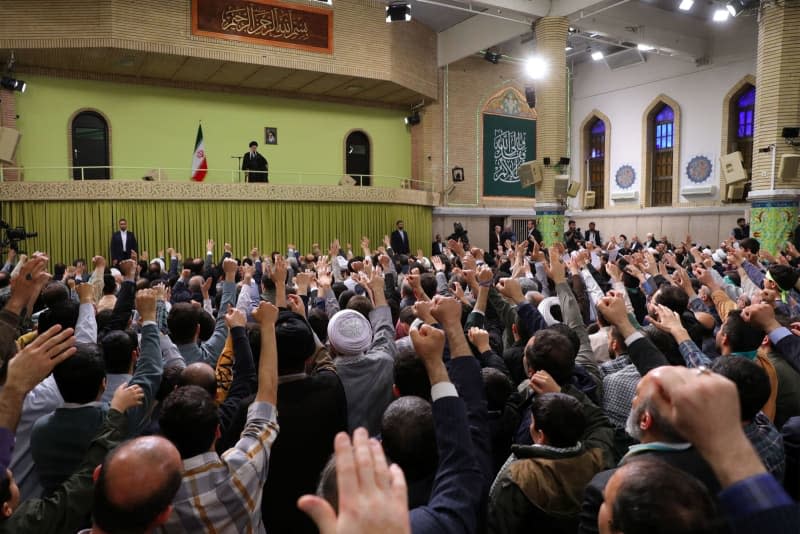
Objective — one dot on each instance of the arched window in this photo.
(90, 147)
(358, 157)
(663, 145)
(597, 161)
(741, 123)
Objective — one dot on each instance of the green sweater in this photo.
(68, 508)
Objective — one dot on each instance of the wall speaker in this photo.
(530, 96)
(9, 139)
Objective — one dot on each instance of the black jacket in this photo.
(256, 167)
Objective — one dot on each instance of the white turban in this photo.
(349, 332)
(544, 309)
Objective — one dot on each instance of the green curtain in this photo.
(75, 229)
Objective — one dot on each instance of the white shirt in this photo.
(124, 235)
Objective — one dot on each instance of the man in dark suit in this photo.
(255, 165)
(438, 247)
(533, 234)
(593, 235)
(742, 229)
(495, 238)
(400, 239)
(123, 243)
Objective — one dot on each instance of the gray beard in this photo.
(632, 425)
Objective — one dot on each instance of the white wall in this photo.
(624, 94)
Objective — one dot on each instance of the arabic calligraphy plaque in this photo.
(266, 22)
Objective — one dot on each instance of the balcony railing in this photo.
(183, 174)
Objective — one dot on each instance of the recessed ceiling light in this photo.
(567, 49)
(686, 5)
(644, 47)
(597, 55)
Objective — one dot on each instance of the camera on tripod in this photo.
(13, 236)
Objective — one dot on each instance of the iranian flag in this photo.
(199, 163)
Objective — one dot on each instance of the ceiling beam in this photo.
(473, 35)
(534, 8)
(639, 23)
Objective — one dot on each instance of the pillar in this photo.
(551, 125)
(774, 202)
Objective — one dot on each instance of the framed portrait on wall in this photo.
(270, 136)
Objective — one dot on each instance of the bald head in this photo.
(136, 484)
(199, 374)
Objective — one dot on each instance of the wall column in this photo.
(774, 205)
(551, 125)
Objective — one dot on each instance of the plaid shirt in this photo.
(619, 387)
(222, 495)
(768, 443)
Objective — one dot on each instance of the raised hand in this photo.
(127, 397)
(555, 269)
(542, 382)
(428, 344)
(235, 317)
(295, 303)
(480, 338)
(85, 293)
(146, 304)
(509, 287)
(279, 270)
(372, 496)
(37, 360)
(266, 314)
(612, 307)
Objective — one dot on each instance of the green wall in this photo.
(156, 127)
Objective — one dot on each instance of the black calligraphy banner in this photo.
(265, 22)
(508, 142)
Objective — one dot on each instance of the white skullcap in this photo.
(159, 261)
(115, 272)
(349, 332)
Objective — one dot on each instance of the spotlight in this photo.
(398, 12)
(721, 15)
(13, 84)
(492, 57)
(412, 119)
(536, 68)
(686, 5)
(567, 49)
(597, 55)
(644, 47)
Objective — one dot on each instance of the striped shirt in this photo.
(223, 494)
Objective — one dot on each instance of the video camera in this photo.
(13, 236)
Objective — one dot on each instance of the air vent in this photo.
(618, 60)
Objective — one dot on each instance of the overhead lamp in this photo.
(597, 55)
(492, 56)
(644, 47)
(412, 119)
(567, 48)
(686, 5)
(721, 14)
(536, 68)
(12, 84)
(398, 12)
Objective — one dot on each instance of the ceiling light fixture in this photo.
(567, 49)
(597, 55)
(12, 84)
(644, 47)
(721, 14)
(686, 5)
(492, 56)
(398, 12)
(536, 68)
(413, 119)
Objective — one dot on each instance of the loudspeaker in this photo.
(9, 139)
(530, 96)
(546, 161)
(732, 169)
(789, 168)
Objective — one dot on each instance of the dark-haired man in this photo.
(556, 464)
(60, 440)
(312, 409)
(399, 239)
(255, 165)
(123, 243)
(223, 494)
(741, 230)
